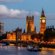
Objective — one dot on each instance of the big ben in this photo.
(42, 22)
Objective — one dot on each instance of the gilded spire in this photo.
(42, 13)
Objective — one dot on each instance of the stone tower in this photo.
(30, 24)
(42, 22)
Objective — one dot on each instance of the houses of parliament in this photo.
(30, 29)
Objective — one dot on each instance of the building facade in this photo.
(30, 24)
(42, 22)
(1, 28)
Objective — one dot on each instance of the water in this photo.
(11, 50)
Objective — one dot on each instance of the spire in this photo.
(42, 14)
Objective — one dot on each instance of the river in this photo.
(12, 50)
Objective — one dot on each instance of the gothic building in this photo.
(42, 22)
(30, 24)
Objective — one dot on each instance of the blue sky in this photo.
(20, 8)
(32, 5)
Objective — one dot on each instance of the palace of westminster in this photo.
(30, 30)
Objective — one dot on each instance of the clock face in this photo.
(43, 21)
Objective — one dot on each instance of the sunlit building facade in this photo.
(14, 35)
(26, 37)
(11, 36)
(30, 24)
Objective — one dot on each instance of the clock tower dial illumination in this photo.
(43, 21)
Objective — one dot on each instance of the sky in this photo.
(13, 12)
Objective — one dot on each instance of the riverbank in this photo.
(47, 45)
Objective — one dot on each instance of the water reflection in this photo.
(43, 53)
(47, 51)
(12, 50)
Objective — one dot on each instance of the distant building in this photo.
(1, 28)
(14, 35)
(11, 36)
(18, 32)
(30, 24)
(42, 22)
(25, 37)
(50, 34)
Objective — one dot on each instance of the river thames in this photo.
(12, 50)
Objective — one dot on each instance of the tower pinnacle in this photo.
(42, 13)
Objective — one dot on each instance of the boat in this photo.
(4, 44)
(33, 49)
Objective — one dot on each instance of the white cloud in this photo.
(14, 13)
(36, 13)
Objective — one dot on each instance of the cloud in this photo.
(35, 13)
(11, 13)
(14, 13)
(50, 16)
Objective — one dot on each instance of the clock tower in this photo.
(42, 22)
